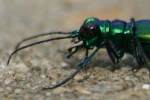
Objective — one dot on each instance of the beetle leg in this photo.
(81, 66)
(65, 80)
(113, 53)
(136, 50)
(73, 50)
(87, 60)
(141, 56)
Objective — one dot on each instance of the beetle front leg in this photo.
(113, 53)
(87, 58)
(81, 66)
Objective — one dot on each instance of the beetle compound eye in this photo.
(89, 31)
(93, 30)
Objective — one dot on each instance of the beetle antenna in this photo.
(37, 36)
(35, 43)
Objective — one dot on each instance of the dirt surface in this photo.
(45, 64)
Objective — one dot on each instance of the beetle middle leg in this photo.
(113, 53)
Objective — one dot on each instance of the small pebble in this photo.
(146, 86)
(82, 90)
(1, 89)
(35, 62)
(2, 66)
(42, 76)
(8, 81)
(129, 78)
(17, 91)
(8, 88)
(19, 77)
(59, 90)
(22, 68)
(79, 77)
(64, 64)
(35, 87)
(28, 85)
(11, 72)
(48, 94)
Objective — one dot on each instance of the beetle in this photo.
(117, 36)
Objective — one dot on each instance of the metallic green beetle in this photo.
(117, 36)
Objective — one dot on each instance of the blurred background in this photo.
(36, 68)
(20, 17)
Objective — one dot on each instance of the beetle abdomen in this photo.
(143, 30)
(143, 34)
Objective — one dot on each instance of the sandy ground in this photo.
(45, 64)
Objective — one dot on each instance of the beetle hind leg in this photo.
(138, 52)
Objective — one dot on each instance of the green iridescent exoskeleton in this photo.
(95, 31)
(117, 36)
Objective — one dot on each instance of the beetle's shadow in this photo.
(103, 61)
